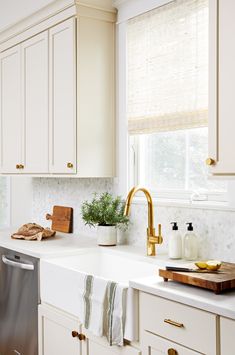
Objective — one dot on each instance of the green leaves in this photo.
(105, 210)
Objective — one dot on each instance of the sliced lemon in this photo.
(201, 264)
(213, 264)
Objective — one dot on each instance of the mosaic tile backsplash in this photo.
(216, 229)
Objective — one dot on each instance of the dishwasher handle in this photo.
(17, 264)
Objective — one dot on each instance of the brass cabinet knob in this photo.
(210, 161)
(19, 166)
(70, 165)
(80, 336)
(172, 352)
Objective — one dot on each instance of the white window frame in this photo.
(128, 9)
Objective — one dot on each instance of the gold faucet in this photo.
(152, 239)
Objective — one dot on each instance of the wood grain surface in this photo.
(62, 219)
(222, 280)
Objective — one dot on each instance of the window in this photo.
(167, 99)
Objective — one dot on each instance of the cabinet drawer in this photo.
(227, 331)
(182, 324)
(155, 345)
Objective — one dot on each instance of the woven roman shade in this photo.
(167, 51)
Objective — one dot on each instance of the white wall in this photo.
(12, 11)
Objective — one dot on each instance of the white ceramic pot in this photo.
(106, 235)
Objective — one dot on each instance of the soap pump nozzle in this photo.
(175, 226)
(190, 226)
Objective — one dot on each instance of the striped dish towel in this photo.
(103, 308)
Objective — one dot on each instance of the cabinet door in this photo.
(154, 345)
(35, 104)
(63, 98)
(227, 331)
(55, 333)
(11, 110)
(99, 346)
(222, 87)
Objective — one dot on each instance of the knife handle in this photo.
(177, 268)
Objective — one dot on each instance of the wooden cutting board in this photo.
(62, 219)
(220, 281)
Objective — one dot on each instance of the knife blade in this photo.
(186, 269)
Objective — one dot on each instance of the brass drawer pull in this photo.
(210, 161)
(80, 336)
(69, 165)
(171, 322)
(172, 352)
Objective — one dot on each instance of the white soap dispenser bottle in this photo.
(175, 243)
(190, 244)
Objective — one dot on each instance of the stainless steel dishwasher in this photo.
(19, 298)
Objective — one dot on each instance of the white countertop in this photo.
(222, 304)
(69, 244)
(61, 244)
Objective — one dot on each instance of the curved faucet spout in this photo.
(152, 239)
(129, 199)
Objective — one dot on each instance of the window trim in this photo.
(123, 184)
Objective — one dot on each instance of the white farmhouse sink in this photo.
(59, 280)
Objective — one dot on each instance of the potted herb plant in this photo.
(106, 212)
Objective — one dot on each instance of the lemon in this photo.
(213, 265)
(201, 264)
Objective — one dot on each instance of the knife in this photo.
(186, 269)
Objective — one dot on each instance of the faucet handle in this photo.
(160, 239)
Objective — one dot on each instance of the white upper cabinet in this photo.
(11, 110)
(222, 87)
(57, 92)
(35, 104)
(63, 97)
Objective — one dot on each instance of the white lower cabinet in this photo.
(155, 345)
(171, 328)
(57, 333)
(227, 332)
(98, 346)
(62, 334)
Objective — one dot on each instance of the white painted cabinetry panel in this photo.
(35, 104)
(179, 323)
(94, 345)
(57, 94)
(222, 87)
(227, 333)
(155, 345)
(62, 55)
(11, 110)
(55, 333)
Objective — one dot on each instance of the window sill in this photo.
(207, 205)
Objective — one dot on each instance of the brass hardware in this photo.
(152, 238)
(172, 352)
(172, 322)
(75, 334)
(19, 166)
(69, 165)
(210, 161)
(80, 336)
